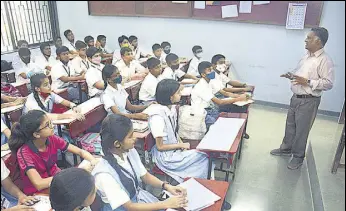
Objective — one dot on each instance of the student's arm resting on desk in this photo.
(82, 153)
(139, 116)
(67, 79)
(99, 85)
(228, 94)
(135, 108)
(228, 101)
(189, 76)
(38, 182)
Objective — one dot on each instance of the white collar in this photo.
(112, 89)
(121, 161)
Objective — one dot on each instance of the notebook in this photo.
(140, 126)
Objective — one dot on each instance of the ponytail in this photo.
(36, 82)
(107, 72)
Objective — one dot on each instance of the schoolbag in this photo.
(9, 90)
(5, 65)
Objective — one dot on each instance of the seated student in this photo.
(93, 76)
(27, 67)
(221, 72)
(89, 40)
(148, 87)
(72, 189)
(101, 44)
(16, 61)
(36, 147)
(166, 47)
(137, 51)
(120, 172)
(172, 70)
(70, 44)
(202, 96)
(63, 74)
(115, 97)
(170, 154)
(123, 43)
(157, 51)
(45, 60)
(57, 44)
(42, 98)
(130, 69)
(12, 198)
(194, 62)
(80, 63)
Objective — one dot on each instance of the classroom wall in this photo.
(259, 53)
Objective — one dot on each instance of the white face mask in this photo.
(221, 67)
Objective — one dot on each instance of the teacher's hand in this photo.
(286, 75)
(298, 80)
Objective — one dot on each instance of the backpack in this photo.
(9, 90)
(5, 65)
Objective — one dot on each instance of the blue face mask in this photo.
(211, 75)
(118, 80)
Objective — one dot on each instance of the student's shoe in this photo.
(295, 163)
(280, 152)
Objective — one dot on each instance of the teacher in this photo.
(314, 74)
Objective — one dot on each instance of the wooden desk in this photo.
(22, 87)
(132, 88)
(7, 112)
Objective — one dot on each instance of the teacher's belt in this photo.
(306, 96)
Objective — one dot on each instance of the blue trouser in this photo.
(11, 199)
(73, 93)
(212, 115)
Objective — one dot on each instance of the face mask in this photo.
(175, 67)
(199, 55)
(96, 60)
(26, 60)
(44, 95)
(221, 67)
(211, 75)
(167, 51)
(118, 80)
(125, 45)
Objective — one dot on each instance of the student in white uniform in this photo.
(101, 44)
(129, 68)
(172, 70)
(26, 67)
(16, 61)
(148, 88)
(193, 65)
(115, 97)
(203, 97)
(93, 76)
(89, 40)
(63, 75)
(70, 44)
(12, 198)
(120, 172)
(80, 63)
(123, 42)
(170, 154)
(57, 44)
(166, 47)
(45, 60)
(157, 51)
(72, 189)
(137, 51)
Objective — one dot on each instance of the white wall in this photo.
(260, 53)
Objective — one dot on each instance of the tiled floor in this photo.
(263, 182)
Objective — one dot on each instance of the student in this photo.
(115, 97)
(166, 46)
(157, 51)
(42, 98)
(72, 189)
(89, 40)
(16, 61)
(71, 43)
(123, 43)
(45, 61)
(130, 69)
(12, 198)
(148, 88)
(93, 76)
(172, 70)
(26, 67)
(57, 44)
(202, 96)
(80, 63)
(101, 42)
(120, 172)
(193, 66)
(36, 146)
(137, 51)
(170, 154)
(63, 74)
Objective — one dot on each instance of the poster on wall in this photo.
(296, 15)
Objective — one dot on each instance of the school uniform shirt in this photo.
(42, 62)
(3, 125)
(71, 46)
(116, 57)
(168, 73)
(148, 88)
(138, 52)
(127, 71)
(220, 82)
(105, 50)
(17, 62)
(115, 97)
(29, 157)
(202, 94)
(80, 65)
(59, 70)
(31, 103)
(193, 67)
(26, 68)
(92, 76)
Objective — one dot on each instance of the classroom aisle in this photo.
(263, 182)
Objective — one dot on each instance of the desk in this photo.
(8, 111)
(132, 88)
(22, 87)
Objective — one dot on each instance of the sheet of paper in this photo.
(43, 204)
(213, 3)
(221, 134)
(200, 5)
(296, 15)
(179, 2)
(245, 6)
(242, 103)
(198, 196)
(229, 11)
(260, 2)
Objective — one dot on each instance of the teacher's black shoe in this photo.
(280, 152)
(295, 163)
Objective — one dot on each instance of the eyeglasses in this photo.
(48, 124)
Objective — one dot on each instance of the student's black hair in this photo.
(322, 34)
(125, 50)
(90, 52)
(24, 52)
(43, 45)
(107, 72)
(165, 43)
(80, 44)
(66, 32)
(116, 127)
(100, 37)
(152, 63)
(36, 82)
(57, 38)
(171, 57)
(22, 131)
(70, 188)
(61, 50)
(122, 38)
(21, 42)
(132, 38)
(202, 66)
(195, 48)
(88, 38)
(165, 90)
(216, 58)
(156, 46)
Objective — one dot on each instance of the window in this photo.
(33, 21)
